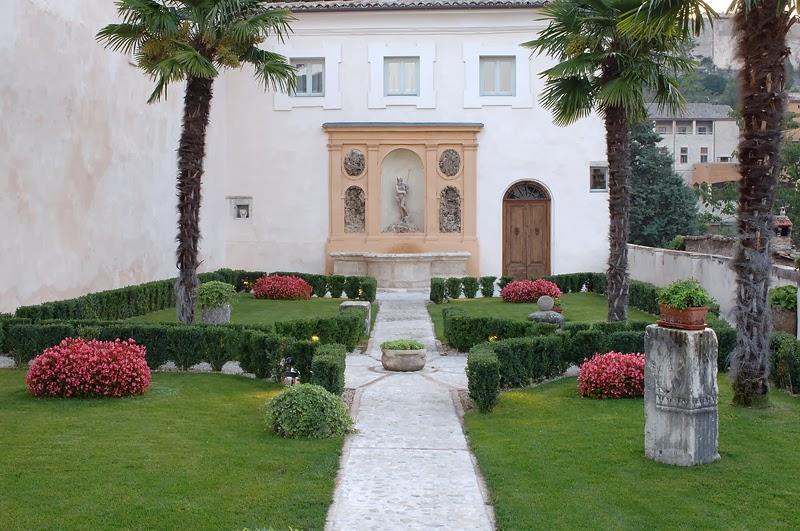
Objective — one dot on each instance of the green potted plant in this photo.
(403, 355)
(783, 301)
(215, 301)
(684, 305)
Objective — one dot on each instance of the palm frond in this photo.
(157, 17)
(569, 98)
(123, 38)
(260, 26)
(271, 69)
(665, 17)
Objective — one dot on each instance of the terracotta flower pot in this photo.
(688, 319)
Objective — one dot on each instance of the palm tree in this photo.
(601, 69)
(760, 29)
(192, 41)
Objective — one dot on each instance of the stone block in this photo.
(680, 396)
(549, 317)
(364, 305)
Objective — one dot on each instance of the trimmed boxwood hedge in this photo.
(483, 377)
(327, 367)
(345, 329)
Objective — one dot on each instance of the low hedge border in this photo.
(327, 367)
(141, 299)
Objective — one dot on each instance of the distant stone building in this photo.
(703, 134)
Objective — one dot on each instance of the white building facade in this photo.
(437, 92)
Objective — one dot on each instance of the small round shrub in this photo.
(612, 375)
(215, 293)
(529, 290)
(77, 368)
(307, 411)
(277, 287)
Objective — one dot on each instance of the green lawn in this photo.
(577, 307)
(193, 453)
(553, 460)
(246, 309)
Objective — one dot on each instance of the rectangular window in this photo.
(724, 159)
(684, 128)
(684, 155)
(705, 128)
(703, 154)
(401, 76)
(310, 77)
(664, 128)
(598, 179)
(498, 75)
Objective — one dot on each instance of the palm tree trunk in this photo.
(618, 148)
(191, 152)
(761, 48)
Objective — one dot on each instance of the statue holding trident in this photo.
(401, 195)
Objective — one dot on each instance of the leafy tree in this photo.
(193, 41)
(760, 28)
(601, 69)
(662, 204)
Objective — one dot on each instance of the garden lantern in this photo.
(291, 373)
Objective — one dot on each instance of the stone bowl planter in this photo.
(403, 356)
(217, 315)
(686, 319)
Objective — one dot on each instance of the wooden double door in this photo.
(526, 238)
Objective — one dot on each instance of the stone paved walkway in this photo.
(408, 465)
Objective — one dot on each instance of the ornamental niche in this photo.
(355, 219)
(450, 210)
(450, 163)
(354, 163)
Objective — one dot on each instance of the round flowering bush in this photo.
(79, 368)
(307, 411)
(529, 290)
(612, 375)
(283, 288)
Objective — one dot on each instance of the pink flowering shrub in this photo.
(612, 375)
(529, 290)
(79, 368)
(278, 287)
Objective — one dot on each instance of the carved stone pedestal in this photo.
(680, 396)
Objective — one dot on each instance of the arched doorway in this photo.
(526, 231)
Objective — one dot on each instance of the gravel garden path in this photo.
(408, 465)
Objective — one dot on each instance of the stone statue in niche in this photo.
(401, 193)
(450, 210)
(354, 210)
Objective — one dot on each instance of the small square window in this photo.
(703, 154)
(401, 76)
(724, 159)
(310, 77)
(241, 207)
(684, 155)
(598, 179)
(498, 75)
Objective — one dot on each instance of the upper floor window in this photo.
(498, 75)
(664, 128)
(684, 128)
(310, 77)
(705, 128)
(598, 179)
(401, 76)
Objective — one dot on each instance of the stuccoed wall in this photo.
(87, 168)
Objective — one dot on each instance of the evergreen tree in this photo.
(662, 204)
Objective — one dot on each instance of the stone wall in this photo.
(88, 168)
(710, 244)
(663, 266)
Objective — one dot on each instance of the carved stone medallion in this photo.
(354, 163)
(450, 163)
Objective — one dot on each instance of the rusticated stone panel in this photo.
(354, 163)
(355, 210)
(450, 210)
(450, 162)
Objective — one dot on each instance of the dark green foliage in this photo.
(307, 412)
(583, 345)
(785, 361)
(352, 285)
(336, 285)
(625, 342)
(6, 321)
(526, 360)
(462, 332)
(302, 352)
(453, 287)
(610, 327)
(784, 298)
(369, 288)
(572, 328)
(638, 326)
(261, 353)
(437, 290)
(683, 294)
(470, 287)
(26, 341)
(644, 296)
(487, 286)
(541, 329)
(327, 367)
(221, 345)
(503, 282)
(726, 338)
(345, 329)
(662, 204)
(483, 378)
(319, 285)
